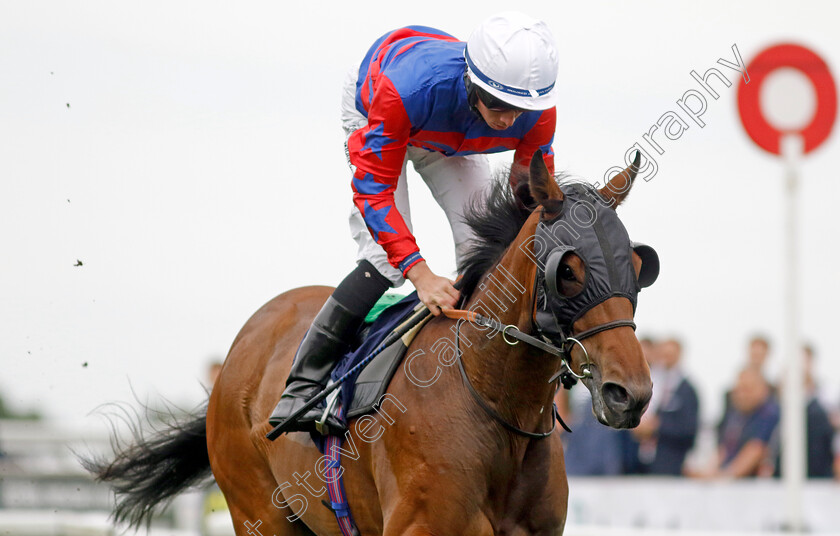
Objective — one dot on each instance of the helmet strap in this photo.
(472, 94)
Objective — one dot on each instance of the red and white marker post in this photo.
(788, 109)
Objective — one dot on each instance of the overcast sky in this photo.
(190, 155)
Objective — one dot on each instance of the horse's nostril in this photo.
(616, 396)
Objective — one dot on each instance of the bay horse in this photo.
(429, 460)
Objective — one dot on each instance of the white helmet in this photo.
(513, 57)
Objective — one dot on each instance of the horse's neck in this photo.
(515, 378)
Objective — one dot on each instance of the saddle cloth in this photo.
(360, 392)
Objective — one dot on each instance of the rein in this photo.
(517, 335)
(563, 351)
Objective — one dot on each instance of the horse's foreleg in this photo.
(423, 529)
(440, 519)
(267, 523)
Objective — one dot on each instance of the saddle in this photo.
(360, 392)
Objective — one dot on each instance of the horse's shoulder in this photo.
(302, 299)
(284, 311)
(302, 295)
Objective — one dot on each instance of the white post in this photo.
(793, 399)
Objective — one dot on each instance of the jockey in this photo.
(421, 95)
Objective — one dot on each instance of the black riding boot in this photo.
(326, 341)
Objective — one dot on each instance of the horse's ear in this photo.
(519, 185)
(543, 188)
(619, 186)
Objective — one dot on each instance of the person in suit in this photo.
(748, 427)
(667, 433)
(818, 428)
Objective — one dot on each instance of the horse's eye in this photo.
(567, 273)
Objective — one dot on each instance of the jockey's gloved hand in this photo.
(434, 291)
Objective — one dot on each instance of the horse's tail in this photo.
(155, 467)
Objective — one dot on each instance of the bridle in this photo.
(563, 351)
(512, 335)
(613, 271)
(607, 252)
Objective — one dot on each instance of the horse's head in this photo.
(589, 275)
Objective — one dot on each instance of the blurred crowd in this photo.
(748, 442)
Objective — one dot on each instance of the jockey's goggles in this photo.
(494, 104)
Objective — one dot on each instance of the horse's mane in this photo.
(495, 220)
